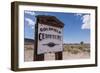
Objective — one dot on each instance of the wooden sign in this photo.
(50, 34)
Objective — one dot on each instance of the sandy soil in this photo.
(51, 56)
(80, 55)
(28, 55)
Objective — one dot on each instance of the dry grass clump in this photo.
(75, 49)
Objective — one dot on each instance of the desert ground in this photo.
(71, 51)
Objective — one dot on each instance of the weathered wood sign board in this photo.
(49, 35)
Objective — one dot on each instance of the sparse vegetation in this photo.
(77, 48)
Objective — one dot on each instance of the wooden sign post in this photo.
(37, 57)
(48, 37)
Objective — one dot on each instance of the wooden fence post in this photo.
(58, 56)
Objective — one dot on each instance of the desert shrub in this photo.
(83, 50)
(68, 50)
(80, 48)
(88, 50)
(74, 51)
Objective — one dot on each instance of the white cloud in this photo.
(30, 12)
(30, 22)
(86, 21)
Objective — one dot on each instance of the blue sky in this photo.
(76, 25)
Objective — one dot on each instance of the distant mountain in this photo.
(28, 41)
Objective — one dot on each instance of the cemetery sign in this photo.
(50, 34)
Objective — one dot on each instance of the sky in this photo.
(76, 25)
